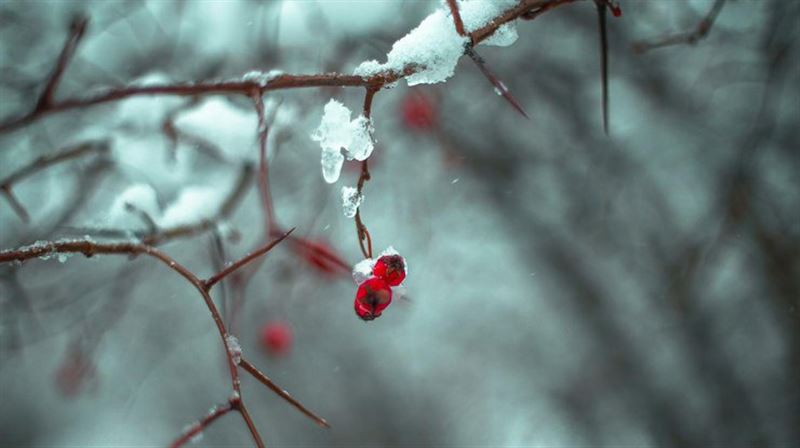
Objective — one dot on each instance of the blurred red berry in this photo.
(276, 338)
(418, 112)
(391, 268)
(321, 257)
(74, 372)
(615, 9)
(372, 297)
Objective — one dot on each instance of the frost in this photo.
(351, 200)
(234, 347)
(434, 47)
(363, 270)
(260, 77)
(336, 132)
(62, 258)
(195, 203)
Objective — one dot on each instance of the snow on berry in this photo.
(372, 297)
(363, 270)
(351, 200)
(276, 338)
(336, 132)
(391, 268)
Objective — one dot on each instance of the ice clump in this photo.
(434, 47)
(336, 132)
(351, 200)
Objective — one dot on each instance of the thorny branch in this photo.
(90, 248)
(246, 88)
(254, 89)
(684, 38)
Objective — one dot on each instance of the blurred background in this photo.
(565, 288)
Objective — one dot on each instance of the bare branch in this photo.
(76, 31)
(44, 162)
(197, 428)
(265, 380)
(683, 38)
(499, 87)
(216, 278)
(456, 17)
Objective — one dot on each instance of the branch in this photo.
(361, 230)
(44, 162)
(216, 278)
(683, 38)
(499, 87)
(601, 22)
(265, 380)
(286, 81)
(456, 17)
(76, 31)
(197, 428)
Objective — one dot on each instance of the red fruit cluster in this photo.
(375, 293)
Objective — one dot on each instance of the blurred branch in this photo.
(76, 31)
(683, 38)
(44, 162)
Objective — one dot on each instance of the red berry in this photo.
(418, 112)
(276, 337)
(391, 268)
(372, 297)
(615, 9)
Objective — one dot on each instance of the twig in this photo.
(76, 31)
(499, 87)
(263, 167)
(601, 20)
(456, 17)
(683, 38)
(361, 230)
(265, 380)
(216, 278)
(44, 162)
(216, 412)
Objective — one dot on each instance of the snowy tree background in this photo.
(566, 288)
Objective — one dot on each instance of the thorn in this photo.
(499, 87)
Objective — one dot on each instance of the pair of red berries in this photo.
(375, 293)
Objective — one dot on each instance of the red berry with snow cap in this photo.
(391, 268)
(372, 297)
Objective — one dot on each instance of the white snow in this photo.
(434, 47)
(219, 121)
(234, 347)
(363, 270)
(351, 200)
(261, 78)
(194, 204)
(337, 132)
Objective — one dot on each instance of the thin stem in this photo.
(265, 380)
(197, 428)
(601, 19)
(250, 425)
(77, 30)
(216, 278)
(263, 167)
(499, 87)
(456, 17)
(687, 37)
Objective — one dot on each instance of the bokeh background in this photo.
(566, 288)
